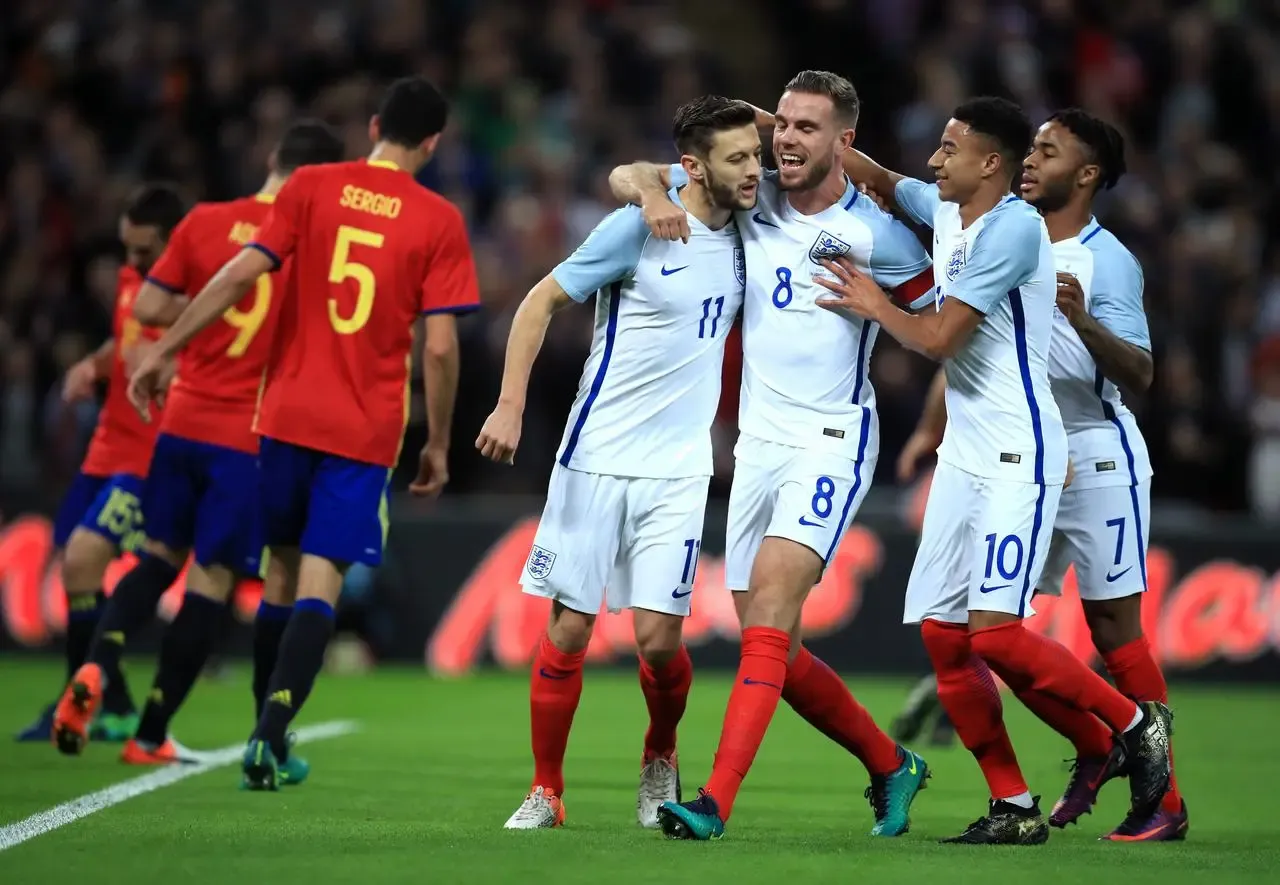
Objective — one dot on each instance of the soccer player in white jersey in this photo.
(1002, 461)
(809, 439)
(1100, 343)
(622, 525)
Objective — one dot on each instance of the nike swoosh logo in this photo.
(749, 681)
(985, 589)
(668, 272)
(676, 594)
(912, 769)
(542, 671)
(1111, 579)
(759, 219)
(804, 521)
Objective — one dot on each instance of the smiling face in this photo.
(731, 171)
(961, 162)
(808, 139)
(1058, 166)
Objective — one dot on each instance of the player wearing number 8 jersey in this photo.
(1002, 462)
(809, 441)
(371, 251)
(202, 492)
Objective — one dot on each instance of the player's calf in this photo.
(666, 673)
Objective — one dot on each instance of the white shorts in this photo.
(781, 491)
(630, 542)
(982, 548)
(1104, 532)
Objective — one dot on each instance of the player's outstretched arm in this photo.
(156, 306)
(228, 286)
(500, 435)
(645, 185)
(866, 171)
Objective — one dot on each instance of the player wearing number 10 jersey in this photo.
(202, 492)
(371, 250)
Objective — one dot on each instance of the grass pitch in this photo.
(419, 795)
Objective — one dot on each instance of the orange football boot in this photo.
(135, 753)
(76, 708)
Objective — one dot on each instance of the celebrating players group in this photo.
(286, 414)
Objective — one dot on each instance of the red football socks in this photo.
(824, 701)
(969, 695)
(666, 691)
(555, 686)
(762, 671)
(1026, 660)
(1138, 676)
(1086, 732)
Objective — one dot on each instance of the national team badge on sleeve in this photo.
(956, 262)
(540, 562)
(827, 246)
(740, 265)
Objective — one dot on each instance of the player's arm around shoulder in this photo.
(647, 185)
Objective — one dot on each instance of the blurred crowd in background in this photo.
(98, 95)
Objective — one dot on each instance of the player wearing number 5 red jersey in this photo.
(202, 492)
(371, 250)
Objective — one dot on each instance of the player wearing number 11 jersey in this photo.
(371, 250)
(202, 492)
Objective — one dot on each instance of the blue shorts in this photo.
(204, 498)
(325, 505)
(109, 506)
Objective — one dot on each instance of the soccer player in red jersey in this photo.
(371, 250)
(202, 493)
(100, 515)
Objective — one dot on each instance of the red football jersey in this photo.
(215, 393)
(122, 443)
(371, 250)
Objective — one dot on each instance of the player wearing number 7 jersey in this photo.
(202, 491)
(371, 250)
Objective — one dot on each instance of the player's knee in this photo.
(163, 551)
(658, 637)
(85, 561)
(947, 644)
(213, 582)
(1114, 622)
(781, 578)
(280, 586)
(569, 630)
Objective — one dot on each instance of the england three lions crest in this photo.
(540, 562)
(956, 262)
(827, 247)
(740, 265)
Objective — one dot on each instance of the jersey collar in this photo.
(384, 164)
(264, 197)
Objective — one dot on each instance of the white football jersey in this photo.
(804, 376)
(1002, 420)
(1107, 448)
(651, 383)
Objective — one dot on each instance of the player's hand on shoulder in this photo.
(433, 472)
(78, 385)
(1070, 296)
(854, 291)
(874, 197)
(500, 435)
(665, 219)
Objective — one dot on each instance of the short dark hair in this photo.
(306, 143)
(412, 110)
(698, 121)
(1004, 122)
(156, 205)
(1103, 143)
(841, 92)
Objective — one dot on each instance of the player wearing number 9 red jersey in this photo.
(202, 493)
(371, 250)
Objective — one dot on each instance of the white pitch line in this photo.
(69, 812)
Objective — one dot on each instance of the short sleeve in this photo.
(896, 254)
(173, 271)
(450, 284)
(1005, 255)
(679, 178)
(917, 199)
(1115, 294)
(278, 234)
(609, 253)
